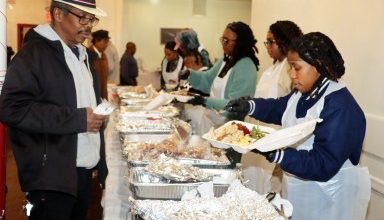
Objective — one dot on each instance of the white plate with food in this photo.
(272, 140)
(237, 134)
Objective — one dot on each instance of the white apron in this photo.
(257, 169)
(219, 84)
(268, 85)
(201, 118)
(174, 75)
(344, 197)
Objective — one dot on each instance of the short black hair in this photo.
(197, 55)
(318, 50)
(99, 35)
(170, 45)
(285, 32)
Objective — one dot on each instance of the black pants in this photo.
(54, 205)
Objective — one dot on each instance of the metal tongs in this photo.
(270, 196)
(177, 127)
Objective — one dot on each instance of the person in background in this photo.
(231, 77)
(193, 61)
(100, 40)
(113, 63)
(47, 103)
(322, 176)
(128, 66)
(275, 82)
(10, 53)
(171, 66)
(187, 42)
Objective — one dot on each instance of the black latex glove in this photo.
(184, 74)
(233, 156)
(238, 106)
(268, 155)
(246, 98)
(197, 100)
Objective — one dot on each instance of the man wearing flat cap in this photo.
(47, 102)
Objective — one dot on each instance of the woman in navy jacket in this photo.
(322, 177)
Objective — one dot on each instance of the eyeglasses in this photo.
(268, 43)
(83, 20)
(226, 41)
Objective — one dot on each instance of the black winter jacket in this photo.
(38, 104)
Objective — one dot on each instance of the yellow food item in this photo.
(243, 141)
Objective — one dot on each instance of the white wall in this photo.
(24, 12)
(144, 18)
(113, 21)
(356, 28)
(34, 12)
(140, 21)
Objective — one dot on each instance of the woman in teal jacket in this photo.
(241, 82)
(234, 76)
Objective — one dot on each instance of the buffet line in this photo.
(175, 174)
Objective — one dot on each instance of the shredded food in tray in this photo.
(171, 147)
(171, 169)
(238, 203)
(236, 133)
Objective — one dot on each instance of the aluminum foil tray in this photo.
(130, 108)
(150, 114)
(138, 110)
(128, 95)
(135, 101)
(237, 203)
(126, 92)
(137, 89)
(143, 125)
(146, 186)
(133, 137)
(204, 164)
(145, 131)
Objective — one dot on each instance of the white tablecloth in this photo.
(116, 191)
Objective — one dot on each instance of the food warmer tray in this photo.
(142, 125)
(204, 164)
(147, 186)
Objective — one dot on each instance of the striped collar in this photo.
(324, 83)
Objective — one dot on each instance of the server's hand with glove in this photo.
(197, 100)
(240, 106)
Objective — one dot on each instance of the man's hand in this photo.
(238, 106)
(94, 121)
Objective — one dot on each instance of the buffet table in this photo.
(117, 192)
(175, 162)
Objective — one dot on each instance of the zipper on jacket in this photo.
(45, 156)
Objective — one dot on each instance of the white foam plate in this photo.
(219, 144)
(274, 140)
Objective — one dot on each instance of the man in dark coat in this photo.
(47, 102)
(128, 66)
